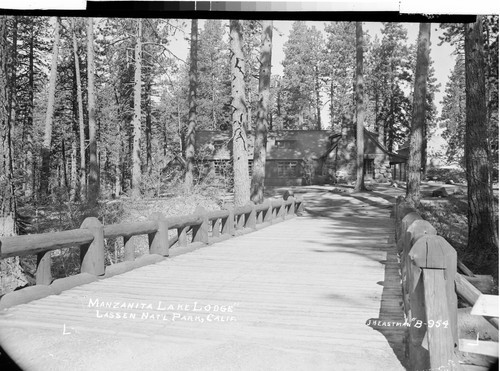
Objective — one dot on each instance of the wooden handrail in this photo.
(90, 237)
(429, 274)
(35, 243)
(428, 267)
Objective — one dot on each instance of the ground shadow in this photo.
(361, 217)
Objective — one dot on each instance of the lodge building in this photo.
(304, 157)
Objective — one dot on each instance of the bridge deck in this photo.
(297, 296)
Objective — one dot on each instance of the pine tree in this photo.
(360, 113)
(453, 113)
(482, 237)
(260, 142)
(338, 69)
(193, 84)
(393, 71)
(137, 130)
(11, 273)
(49, 116)
(239, 116)
(93, 189)
(300, 84)
(419, 115)
(214, 88)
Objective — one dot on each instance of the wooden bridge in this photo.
(321, 291)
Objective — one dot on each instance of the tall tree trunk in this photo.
(423, 171)
(483, 237)
(11, 273)
(64, 165)
(30, 178)
(360, 111)
(191, 130)
(74, 170)
(137, 132)
(318, 97)
(149, 156)
(81, 124)
(47, 139)
(332, 104)
(7, 199)
(260, 143)
(121, 139)
(12, 116)
(214, 116)
(93, 189)
(239, 116)
(418, 116)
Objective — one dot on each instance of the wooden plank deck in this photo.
(293, 296)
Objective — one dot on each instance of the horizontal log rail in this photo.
(430, 285)
(205, 227)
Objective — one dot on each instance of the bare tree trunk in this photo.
(424, 154)
(7, 199)
(483, 236)
(47, 139)
(30, 178)
(81, 124)
(260, 143)
(136, 150)
(239, 116)
(193, 84)
(332, 105)
(12, 116)
(118, 162)
(360, 111)
(318, 98)
(149, 160)
(214, 117)
(93, 190)
(74, 170)
(11, 273)
(63, 164)
(418, 117)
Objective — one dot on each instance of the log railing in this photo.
(430, 286)
(206, 227)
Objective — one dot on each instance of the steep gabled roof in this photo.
(373, 138)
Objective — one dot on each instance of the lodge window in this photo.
(287, 169)
(218, 144)
(285, 143)
(369, 166)
(222, 167)
(250, 167)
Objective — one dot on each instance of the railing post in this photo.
(268, 214)
(291, 208)
(182, 236)
(282, 210)
(128, 248)
(240, 221)
(228, 224)
(200, 232)
(92, 255)
(216, 227)
(43, 273)
(432, 266)
(158, 242)
(251, 220)
(299, 202)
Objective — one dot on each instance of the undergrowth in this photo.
(449, 217)
(61, 214)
